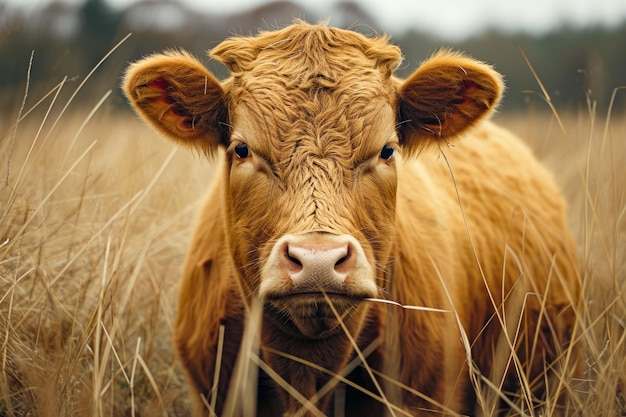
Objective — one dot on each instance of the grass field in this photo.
(95, 214)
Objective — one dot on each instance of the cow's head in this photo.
(312, 122)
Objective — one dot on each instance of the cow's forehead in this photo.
(321, 92)
(343, 132)
(310, 63)
(349, 121)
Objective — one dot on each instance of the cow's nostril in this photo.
(340, 261)
(291, 261)
(294, 260)
(347, 263)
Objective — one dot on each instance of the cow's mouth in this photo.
(311, 315)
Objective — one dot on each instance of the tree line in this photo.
(577, 66)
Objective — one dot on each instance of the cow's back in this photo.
(480, 213)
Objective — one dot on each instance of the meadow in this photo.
(95, 215)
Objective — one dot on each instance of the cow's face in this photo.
(312, 122)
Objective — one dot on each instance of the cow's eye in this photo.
(242, 151)
(387, 152)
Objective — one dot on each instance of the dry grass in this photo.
(588, 156)
(95, 213)
(94, 219)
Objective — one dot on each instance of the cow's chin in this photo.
(310, 315)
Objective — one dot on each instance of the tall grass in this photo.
(587, 153)
(94, 217)
(95, 214)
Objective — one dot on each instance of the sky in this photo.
(448, 18)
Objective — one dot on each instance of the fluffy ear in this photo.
(179, 97)
(446, 95)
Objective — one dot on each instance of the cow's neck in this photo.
(307, 366)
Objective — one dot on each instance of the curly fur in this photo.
(477, 229)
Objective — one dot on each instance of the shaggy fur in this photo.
(478, 229)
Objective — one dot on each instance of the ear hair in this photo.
(179, 97)
(448, 94)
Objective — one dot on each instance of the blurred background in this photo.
(578, 48)
(95, 212)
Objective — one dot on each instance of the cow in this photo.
(371, 245)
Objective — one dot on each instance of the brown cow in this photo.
(338, 187)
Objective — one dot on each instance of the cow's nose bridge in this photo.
(319, 185)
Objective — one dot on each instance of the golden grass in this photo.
(95, 214)
(587, 153)
(94, 222)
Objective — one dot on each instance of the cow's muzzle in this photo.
(316, 279)
(317, 263)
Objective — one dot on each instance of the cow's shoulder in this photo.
(211, 310)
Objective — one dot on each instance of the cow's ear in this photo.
(179, 97)
(446, 95)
